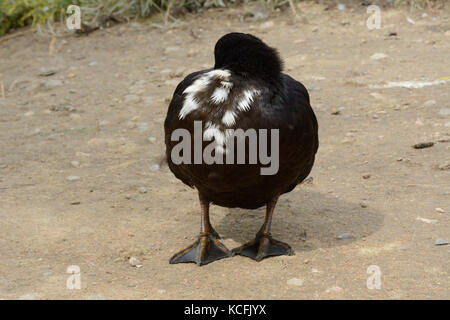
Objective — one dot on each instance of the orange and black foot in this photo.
(205, 250)
(262, 247)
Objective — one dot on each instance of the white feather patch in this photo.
(226, 84)
(191, 103)
(221, 73)
(229, 118)
(198, 85)
(247, 98)
(220, 95)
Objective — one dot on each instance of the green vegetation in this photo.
(18, 13)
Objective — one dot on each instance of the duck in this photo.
(221, 124)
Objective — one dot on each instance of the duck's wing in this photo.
(172, 121)
(291, 112)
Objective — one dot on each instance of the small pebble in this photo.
(143, 190)
(151, 139)
(75, 163)
(295, 282)
(439, 210)
(378, 56)
(51, 83)
(366, 176)
(154, 167)
(73, 178)
(423, 145)
(267, 25)
(432, 221)
(44, 72)
(429, 103)
(345, 236)
(134, 262)
(440, 242)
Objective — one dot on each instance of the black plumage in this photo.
(244, 67)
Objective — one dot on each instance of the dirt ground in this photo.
(81, 134)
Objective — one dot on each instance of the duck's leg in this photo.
(207, 248)
(264, 245)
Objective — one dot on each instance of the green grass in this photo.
(19, 13)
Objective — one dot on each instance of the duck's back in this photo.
(222, 101)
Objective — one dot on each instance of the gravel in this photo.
(423, 145)
(345, 236)
(440, 242)
(73, 178)
(75, 163)
(143, 190)
(378, 56)
(135, 262)
(295, 282)
(51, 83)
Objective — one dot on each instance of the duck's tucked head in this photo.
(247, 55)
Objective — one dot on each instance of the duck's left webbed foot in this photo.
(264, 245)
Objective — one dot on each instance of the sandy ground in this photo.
(81, 132)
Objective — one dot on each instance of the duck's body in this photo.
(245, 90)
(242, 185)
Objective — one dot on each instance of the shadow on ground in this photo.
(306, 219)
